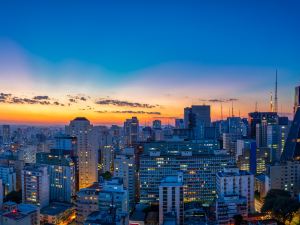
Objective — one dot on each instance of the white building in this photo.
(35, 185)
(124, 167)
(171, 198)
(87, 148)
(232, 181)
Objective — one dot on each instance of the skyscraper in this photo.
(6, 134)
(292, 146)
(197, 118)
(131, 131)
(87, 149)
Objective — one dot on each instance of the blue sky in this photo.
(113, 43)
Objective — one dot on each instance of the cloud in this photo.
(72, 100)
(216, 100)
(40, 97)
(41, 100)
(130, 112)
(124, 103)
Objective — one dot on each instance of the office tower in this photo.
(35, 185)
(6, 134)
(230, 142)
(21, 214)
(131, 131)
(125, 168)
(263, 159)
(273, 141)
(297, 99)
(156, 124)
(232, 181)
(248, 159)
(87, 150)
(257, 118)
(228, 206)
(284, 128)
(286, 176)
(87, 202)
(171, 198)
(114, 198)
(292, 146)
(67, 145)
(8, 177)
(197, 118)
(147, 134)
(107, 159)
(199, 172)
(179, 123)
(61, 171)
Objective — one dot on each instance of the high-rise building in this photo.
(87, 150)
(199, 172)
(125, 168)
(171, 198)
(292, 146)
(113, 197)
(131, 131)
(257, 118)
(35, 185)
(6, 134)
(179, 123)
(197, 118)
(286, 176)
(232, 181)
(156, 124)
(61, 170)
(297, 99)
(8, 177)
(107, 159)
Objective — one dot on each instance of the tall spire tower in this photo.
(276, 98)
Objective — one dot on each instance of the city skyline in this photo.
(109, 62)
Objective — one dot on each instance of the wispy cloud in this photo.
(130, 112)
(120, 103)
(216, 100)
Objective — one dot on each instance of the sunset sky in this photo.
(110, 60)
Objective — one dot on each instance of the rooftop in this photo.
(56, 208)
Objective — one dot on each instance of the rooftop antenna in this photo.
(239, 113)
(232, 114)
(256, 107)
(276, 97)
(271, 103)
(221, 111)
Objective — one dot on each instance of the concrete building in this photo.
(22, 214)
(61, 171)
(229, 206)
(125, 168)
(197, 117)
(232, 181)
(171, 198)
(35, 185)
(107, 159)
(199, 172)
(87, 202)
(113, 197)
(131, 131)
(58, 213)
(286, 176)
(87, 150)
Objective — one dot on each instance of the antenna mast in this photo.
(276, 97)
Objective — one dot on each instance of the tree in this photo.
(238, 219)
(106, 175)
(281, 205)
